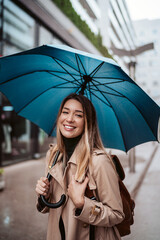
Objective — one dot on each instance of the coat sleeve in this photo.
(107, 210)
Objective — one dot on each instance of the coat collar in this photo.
(57, 170)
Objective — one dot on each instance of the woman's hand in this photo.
(42, 186)
(76, 192)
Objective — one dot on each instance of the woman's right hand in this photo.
(42, 186)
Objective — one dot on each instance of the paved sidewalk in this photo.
(147, 211)
(19, 218)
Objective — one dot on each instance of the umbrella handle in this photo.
(63, 197)
(54, 205)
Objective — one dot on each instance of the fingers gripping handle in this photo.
(63, 197)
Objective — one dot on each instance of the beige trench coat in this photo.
(103, 213)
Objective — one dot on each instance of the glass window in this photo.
(15, 134)
(18, 35)
(46, 37)
(18, 29)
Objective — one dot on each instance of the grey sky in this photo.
(140, 9)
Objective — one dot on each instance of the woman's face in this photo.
(71, 120)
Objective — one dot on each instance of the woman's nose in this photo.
(70, 118)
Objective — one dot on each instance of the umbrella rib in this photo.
(135, 107)
(113, 94)
(64, 63)
(25, 74)
(89, 86)
(96, 69)
(109, 78)
(78, 66)
(81, 63)
(108, 83)
(41, 94)
(115, 116)
(88, 93)
(51, 131)
(74, 82)
(115, 78)
(101, 100)
(98, 90)
(120, 95)
(66, 87)
(64, 68)
(105, 91)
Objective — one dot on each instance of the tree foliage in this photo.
(66, 7)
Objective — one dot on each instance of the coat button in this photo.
(85, 225)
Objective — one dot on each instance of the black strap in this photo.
(62, 229)
(92, 232)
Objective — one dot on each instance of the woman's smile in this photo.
(69, 128)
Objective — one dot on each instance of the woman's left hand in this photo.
(76, 191)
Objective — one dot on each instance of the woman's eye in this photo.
(64, 112)
(79, 115)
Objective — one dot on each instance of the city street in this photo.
(147, 212)
(86, 58)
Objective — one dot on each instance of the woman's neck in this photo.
(70, 145)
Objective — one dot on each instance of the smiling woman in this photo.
(82, 165)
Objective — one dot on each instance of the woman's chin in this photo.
(70, 134)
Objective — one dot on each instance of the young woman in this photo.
(82, 164)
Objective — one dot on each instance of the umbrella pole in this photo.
(132, 160)
(132, 157)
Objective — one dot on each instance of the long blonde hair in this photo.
(89, 141)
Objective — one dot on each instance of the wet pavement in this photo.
(19, 218)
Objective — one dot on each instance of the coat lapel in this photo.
(57, 173)
(91, 183)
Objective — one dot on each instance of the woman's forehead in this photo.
(73, 104)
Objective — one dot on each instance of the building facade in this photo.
(112, 20)
(27, 24)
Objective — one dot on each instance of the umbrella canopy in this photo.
(37, 80)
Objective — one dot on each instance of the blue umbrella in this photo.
(36, 81)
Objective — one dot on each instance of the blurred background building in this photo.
(147, 69)
(110, 19)
(101, 27)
